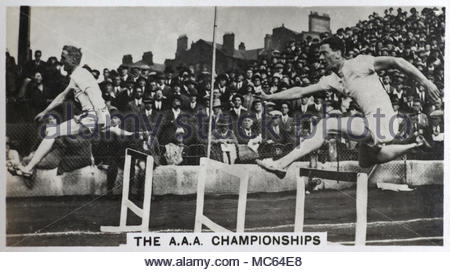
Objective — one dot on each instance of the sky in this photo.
(105, 34)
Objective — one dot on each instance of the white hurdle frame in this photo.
(126, 205)
(362, 183)
(234, 170)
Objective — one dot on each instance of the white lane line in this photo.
(331, 226)
(396, 240)
(350, 225)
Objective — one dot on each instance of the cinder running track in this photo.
(395, 218)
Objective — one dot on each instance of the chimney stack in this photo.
(228, 42)
(267, 42)
(182, 44)
(147, 57)
(127, 59)
(242, 46)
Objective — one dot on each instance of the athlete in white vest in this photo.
(358, 79)
(87, 93)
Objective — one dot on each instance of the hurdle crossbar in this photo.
(144, 212)
(361, 198)
(234, 170)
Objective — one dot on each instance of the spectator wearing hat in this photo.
(161, 83)
(317, 108)
(274, 133)
(194, 106)
(170, 120)
(136, 106)
(149, 117)
(246, 131)
(123, 70)
(240, 83)
(221, 85)
(125, 96)
(257, 87)
(175, 150)
(224, 142)
(109, 102)
(217, 110)
(177, 92)
(161, 103)
(274, 142)
(409, 103)
(142, 83)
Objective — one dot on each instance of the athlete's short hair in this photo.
(74, 54)
(335, 44)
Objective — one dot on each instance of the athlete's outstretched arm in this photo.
(56, 102)
(383, 63)
(292, 93)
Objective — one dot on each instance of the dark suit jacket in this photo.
(234, 115)
(132, 107)
(242, 137)
(122, 100)
(169, 125)
(165, 105)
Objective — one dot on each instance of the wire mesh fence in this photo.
(72, 153)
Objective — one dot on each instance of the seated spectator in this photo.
(223, 142)
(247, 131)
(274, 142)
(174, 151)
(170, 121)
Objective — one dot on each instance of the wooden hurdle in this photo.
(130, 160)
(361, 198)
(235, 170)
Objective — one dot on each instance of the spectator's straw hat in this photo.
(275, 113)
(179, 131)
(222, 122)
(143, 66)
(279, 65)
(437, 114)
(335, 113)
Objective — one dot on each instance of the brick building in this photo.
(200, 54)
(229, 58)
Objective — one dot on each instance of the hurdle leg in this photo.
(147, 193)
(125, 191)
(242, 204)
(300, 204)
(200, 196)
(361, 209)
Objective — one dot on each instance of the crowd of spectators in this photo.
(170, 110)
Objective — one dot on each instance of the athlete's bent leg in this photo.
(354, 127)
(64, 129)
(390, 152)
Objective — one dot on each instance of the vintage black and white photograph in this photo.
(244, 119)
